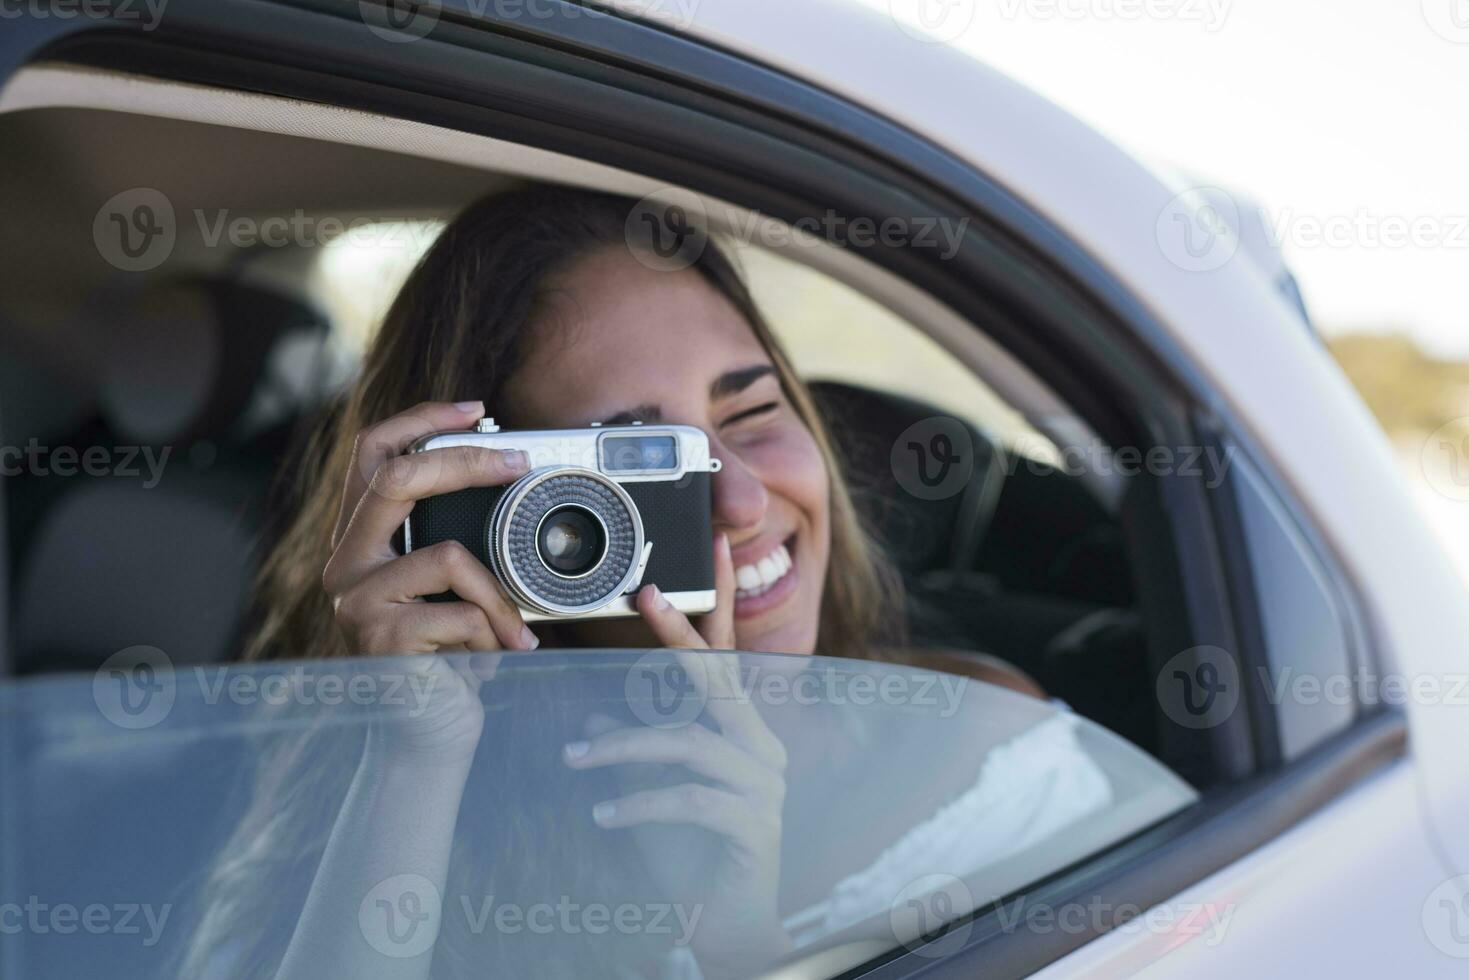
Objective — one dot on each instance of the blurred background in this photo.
(1343, 120)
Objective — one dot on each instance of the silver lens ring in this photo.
(514, 527)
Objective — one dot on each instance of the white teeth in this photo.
(757, 578)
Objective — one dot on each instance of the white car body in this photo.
(1351, 891)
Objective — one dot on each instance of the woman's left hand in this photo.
(735, 892)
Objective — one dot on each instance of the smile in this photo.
(761, 576)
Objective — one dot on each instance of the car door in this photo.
(1285, 778)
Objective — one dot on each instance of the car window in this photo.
(200, 804)
(1310, 681)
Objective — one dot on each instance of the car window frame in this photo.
(721, 119)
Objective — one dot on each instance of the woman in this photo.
(536, 304)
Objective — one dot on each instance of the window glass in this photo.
(364, 811)
(1310, 682)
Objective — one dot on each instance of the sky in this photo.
(1346, 120)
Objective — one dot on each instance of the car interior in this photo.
(223, 356)
(199, 378)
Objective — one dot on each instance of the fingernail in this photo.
(474, 406)
(515, 460)
(660, 601)
(724, 544)
(575, 750)
(604, 812)
(528, 639)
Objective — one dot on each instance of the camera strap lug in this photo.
(637, 578)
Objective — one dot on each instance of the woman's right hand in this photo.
(378, 595)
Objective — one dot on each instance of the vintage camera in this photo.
(601, 512)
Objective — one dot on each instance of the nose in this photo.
(739, 495)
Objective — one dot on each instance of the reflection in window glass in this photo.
(587, 814)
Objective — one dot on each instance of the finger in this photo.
(444, 567)
(392, 437)
(694, 746)
(717, 627)
(671, 627)
(728, 701)
(427, 627)
(693, 803)
(400, 483)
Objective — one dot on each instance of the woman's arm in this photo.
(375, 905)
(376, 901)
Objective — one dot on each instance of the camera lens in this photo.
(571, 541)
(564, 541)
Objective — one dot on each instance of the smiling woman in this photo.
(539, 304)
(534, 304)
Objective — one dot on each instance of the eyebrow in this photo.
(727, 384)
(736, 381)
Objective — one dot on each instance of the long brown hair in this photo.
(457, 330)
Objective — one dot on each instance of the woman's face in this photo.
(618, 342)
